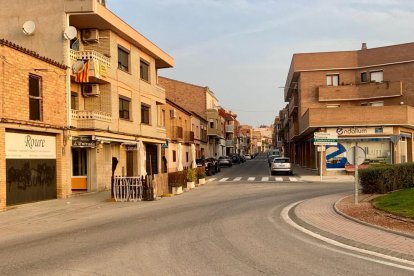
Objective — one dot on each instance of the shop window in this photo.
(74, 101)
(79, 162)
(332, 80)
(35, 98)
(123, 59)
(377, 76)
(145, 114)
(124, 108)
(144, 70)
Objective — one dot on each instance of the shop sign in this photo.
(83, 142)
(325, 139)
(30, 146)
(131, 147)
(359, 131)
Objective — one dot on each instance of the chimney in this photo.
(364, 46)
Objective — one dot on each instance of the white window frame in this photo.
(330, 79)
(373, 79)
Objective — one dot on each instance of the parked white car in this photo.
(248, 156)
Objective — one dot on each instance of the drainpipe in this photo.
(68, 74)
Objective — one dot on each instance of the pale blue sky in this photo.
(242, 49)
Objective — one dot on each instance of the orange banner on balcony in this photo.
(83, 76)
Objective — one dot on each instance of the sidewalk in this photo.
(31, 212)
(319, 216)
(313, 176)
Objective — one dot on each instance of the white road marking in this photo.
(265, 178)
(279, 179)
(237, 179)
(211, 179)
(251, 178)
(287, 219)
(224, 179)
(293, 179)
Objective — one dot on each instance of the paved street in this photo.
(223, 228)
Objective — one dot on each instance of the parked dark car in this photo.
(210, 168)
(215, 164)
(235, 159)
(242, 158)
(225, 161)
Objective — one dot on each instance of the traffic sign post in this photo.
(356, 156)
(322, 139)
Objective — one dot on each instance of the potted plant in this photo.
(177, 188)
(176, 184)
(201, 175)
(191, 178)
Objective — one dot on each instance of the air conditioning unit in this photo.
(90, 35)
(173, 113)
(90, 90)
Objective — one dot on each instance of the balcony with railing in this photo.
(203, 135)
(357, 115)
(293, 105)
(190, 136)
(229, 143)
(98, 64)
(86, 119)
(229, 128)
(362, 91)
(178, 133)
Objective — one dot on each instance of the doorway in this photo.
(79, 169)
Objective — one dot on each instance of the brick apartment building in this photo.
(112, 87)
(365, 96)
(202, 102)
(34, 149)
(180, 137)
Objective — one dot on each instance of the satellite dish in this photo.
(78, 66)
(70, 33)
(29, 27)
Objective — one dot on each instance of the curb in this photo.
(339, 212)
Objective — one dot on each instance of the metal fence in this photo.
(131, 188)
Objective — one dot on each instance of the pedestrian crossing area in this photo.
(257, 179)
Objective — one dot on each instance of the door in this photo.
(130, 163)
(79, 169)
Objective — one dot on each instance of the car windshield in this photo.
(281, 160)
(223, 157)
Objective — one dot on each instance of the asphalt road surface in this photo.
(232, 227)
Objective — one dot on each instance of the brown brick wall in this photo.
(14, 79)
(14, 83)
(190, 97)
